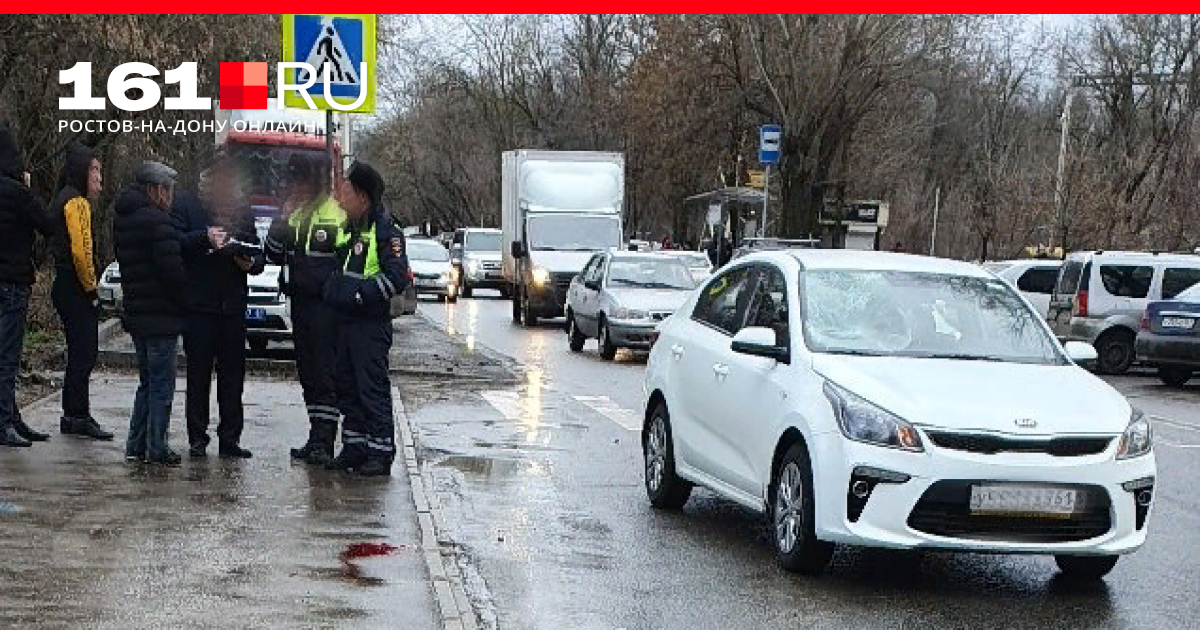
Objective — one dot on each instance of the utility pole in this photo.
(937, 202)
(762, 230)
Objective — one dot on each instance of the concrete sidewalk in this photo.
(87, 540)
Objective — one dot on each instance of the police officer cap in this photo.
(151, 172)
(368, 180)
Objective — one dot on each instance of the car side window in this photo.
(588, 268)
(1038, 280)
(769, 306)
(1131, 281)
(596, 273)
(458, 239)
(1177, 280)
(723, 301)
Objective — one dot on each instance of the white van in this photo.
(1034, 278)
(1100, 297)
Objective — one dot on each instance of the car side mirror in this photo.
(518, 249)
(1083, 354)
(758, 341)
(592, 284)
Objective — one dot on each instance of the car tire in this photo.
(516, 305)
(575, 338)
(607, 350)
(505, 293)
(1083, 568)
(257, 346)
(527, 317)
(792, 516)
(452, 299)
(1116, 352)
(665, 489)
(1174, 376)
(464, 289)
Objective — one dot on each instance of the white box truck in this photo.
(558, 208)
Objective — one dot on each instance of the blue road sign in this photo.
(345, 43)
(770, 137)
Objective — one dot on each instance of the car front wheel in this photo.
(607, 350)
(575, 338)
(664, 488)
(1174, 376)
(1085, 567)
(792, 516)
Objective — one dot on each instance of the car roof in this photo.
(1138, 257)
(1026, 262)
(872, 261)
(480, 229)
(624, 253)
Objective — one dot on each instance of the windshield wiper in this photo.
(855, 353)
(959, 356)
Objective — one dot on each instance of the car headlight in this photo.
(444, 277)
(862, 421)
(629, 313)
(1138, 437)
(540, 275)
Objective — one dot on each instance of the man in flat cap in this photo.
(152, 279)
(373, 267)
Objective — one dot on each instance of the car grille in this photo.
(426, 276)
(262, 298)
(490, 265)
(992, 444)
(658, 316)
(944, 510)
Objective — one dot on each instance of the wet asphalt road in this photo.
(542, 489)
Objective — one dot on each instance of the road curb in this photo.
(439, 553)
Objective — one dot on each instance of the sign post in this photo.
(770, 137)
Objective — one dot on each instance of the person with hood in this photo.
(372, 268)
(20, 215)
(152, 280)
(303, 239)
(220, 248)
(74, 291)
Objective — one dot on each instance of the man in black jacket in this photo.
(373, 269)
(20, 214)
(152, 279)
(220, 247)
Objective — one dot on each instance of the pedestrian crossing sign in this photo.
(344, 43)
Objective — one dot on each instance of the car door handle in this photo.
(720, 370)
(677, 351)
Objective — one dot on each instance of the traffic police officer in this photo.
(374, 268)
(304, 239)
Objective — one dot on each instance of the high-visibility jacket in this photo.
(373, 267)
(306, 242)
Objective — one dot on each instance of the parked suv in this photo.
(1100, 298)
(1035, 279)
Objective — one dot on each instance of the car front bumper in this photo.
(436, 287)
(1168, 349)
(485, 279)
(276, 324)
(637, 335)
(885, 519)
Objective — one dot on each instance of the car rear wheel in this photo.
(663, 487)
(516, 306)
(792, 516)
(464, 289)
(1173, 375)
(574, 337)
(608, 351)
(527, 315)
(1085, 567)
(1116, 353)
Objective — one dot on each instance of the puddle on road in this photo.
(7, 507)
(489, 467)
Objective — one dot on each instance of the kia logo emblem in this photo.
(1025, 423)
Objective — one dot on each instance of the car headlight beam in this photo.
(540, 275)
(1138, 438)
(862, 421)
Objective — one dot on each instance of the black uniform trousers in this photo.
(365, 389)
(315, 334)
(81, 326)
(215, 340)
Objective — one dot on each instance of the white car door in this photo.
(704, 361)
(753, 394)
(583, 299)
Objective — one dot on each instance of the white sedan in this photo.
(886, 400)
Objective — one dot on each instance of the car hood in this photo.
(560, 262)
(982, 395)
(649, 299)
(429, 267)
(268, 279)
(482, 256)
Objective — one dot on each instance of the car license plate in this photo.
(256, 315)
(1177, 322)
(1018, 500)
